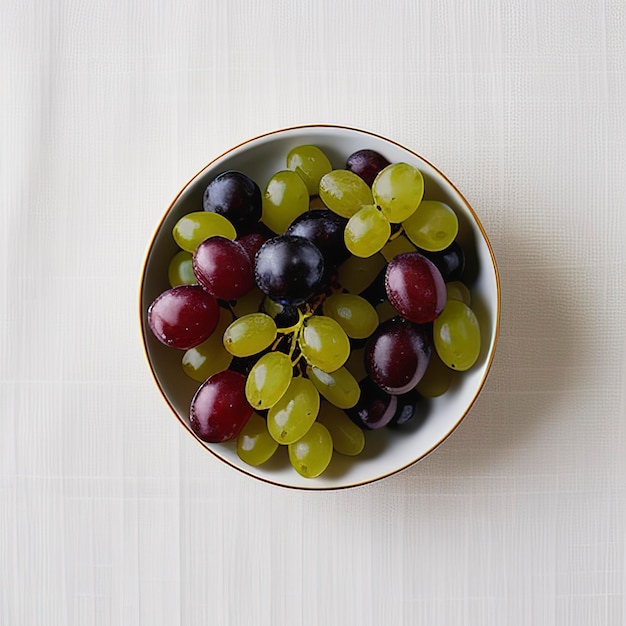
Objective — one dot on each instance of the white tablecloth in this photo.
(110, 513)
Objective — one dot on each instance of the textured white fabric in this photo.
(110, 513)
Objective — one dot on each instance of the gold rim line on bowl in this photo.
(496, 328)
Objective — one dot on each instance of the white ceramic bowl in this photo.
(387, 451)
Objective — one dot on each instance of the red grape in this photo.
(366, 164)
(415, 287)
(251, 243)
(219, 409)
(183, 317)
(397, 354)
(223, 268)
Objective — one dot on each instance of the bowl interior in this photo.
(387, 451)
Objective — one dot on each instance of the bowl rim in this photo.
(496, 321)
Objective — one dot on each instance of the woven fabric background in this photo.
(110, 513)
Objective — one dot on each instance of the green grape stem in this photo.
(294, 333)
(297, 326)
(292, 348)
(396, 234)
(297, 363)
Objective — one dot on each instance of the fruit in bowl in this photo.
(320, 307)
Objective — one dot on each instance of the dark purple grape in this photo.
(366, 164)
(374, 409)
(235, 196)
(397, 354)
(287, 317)
(407, 408)
(243, 364)
(183, 317)
(415, 287)
(450, 262)
(325, 229)
(377, 291)
(289, 269)
(357, 344)
(223, 268)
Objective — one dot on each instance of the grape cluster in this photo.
(317, 310)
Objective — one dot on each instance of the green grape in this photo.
(210, 357)
(286, 196)
(254, 444)
(310, 163)
(339, 388)
(311, 454)
(250, 334)
(397, 246)
(344, 193)
(292, 416)
(398, 190)
(347, 437)
(357, 274)
(457, 336)
(324, 343)
(268, 380)
(367, 231)
(356, 364)
(192, 229)
(180, 269)
(456, 290)
(436, 379)
(386, 311)
(248, 303)
(271, 307)
(353, 313)
(433, 227)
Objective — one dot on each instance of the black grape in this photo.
(450, 262)
(407, 408)
(375, 407)
(376, 292)
(235, 196)
(289, 269)
(325, 229)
